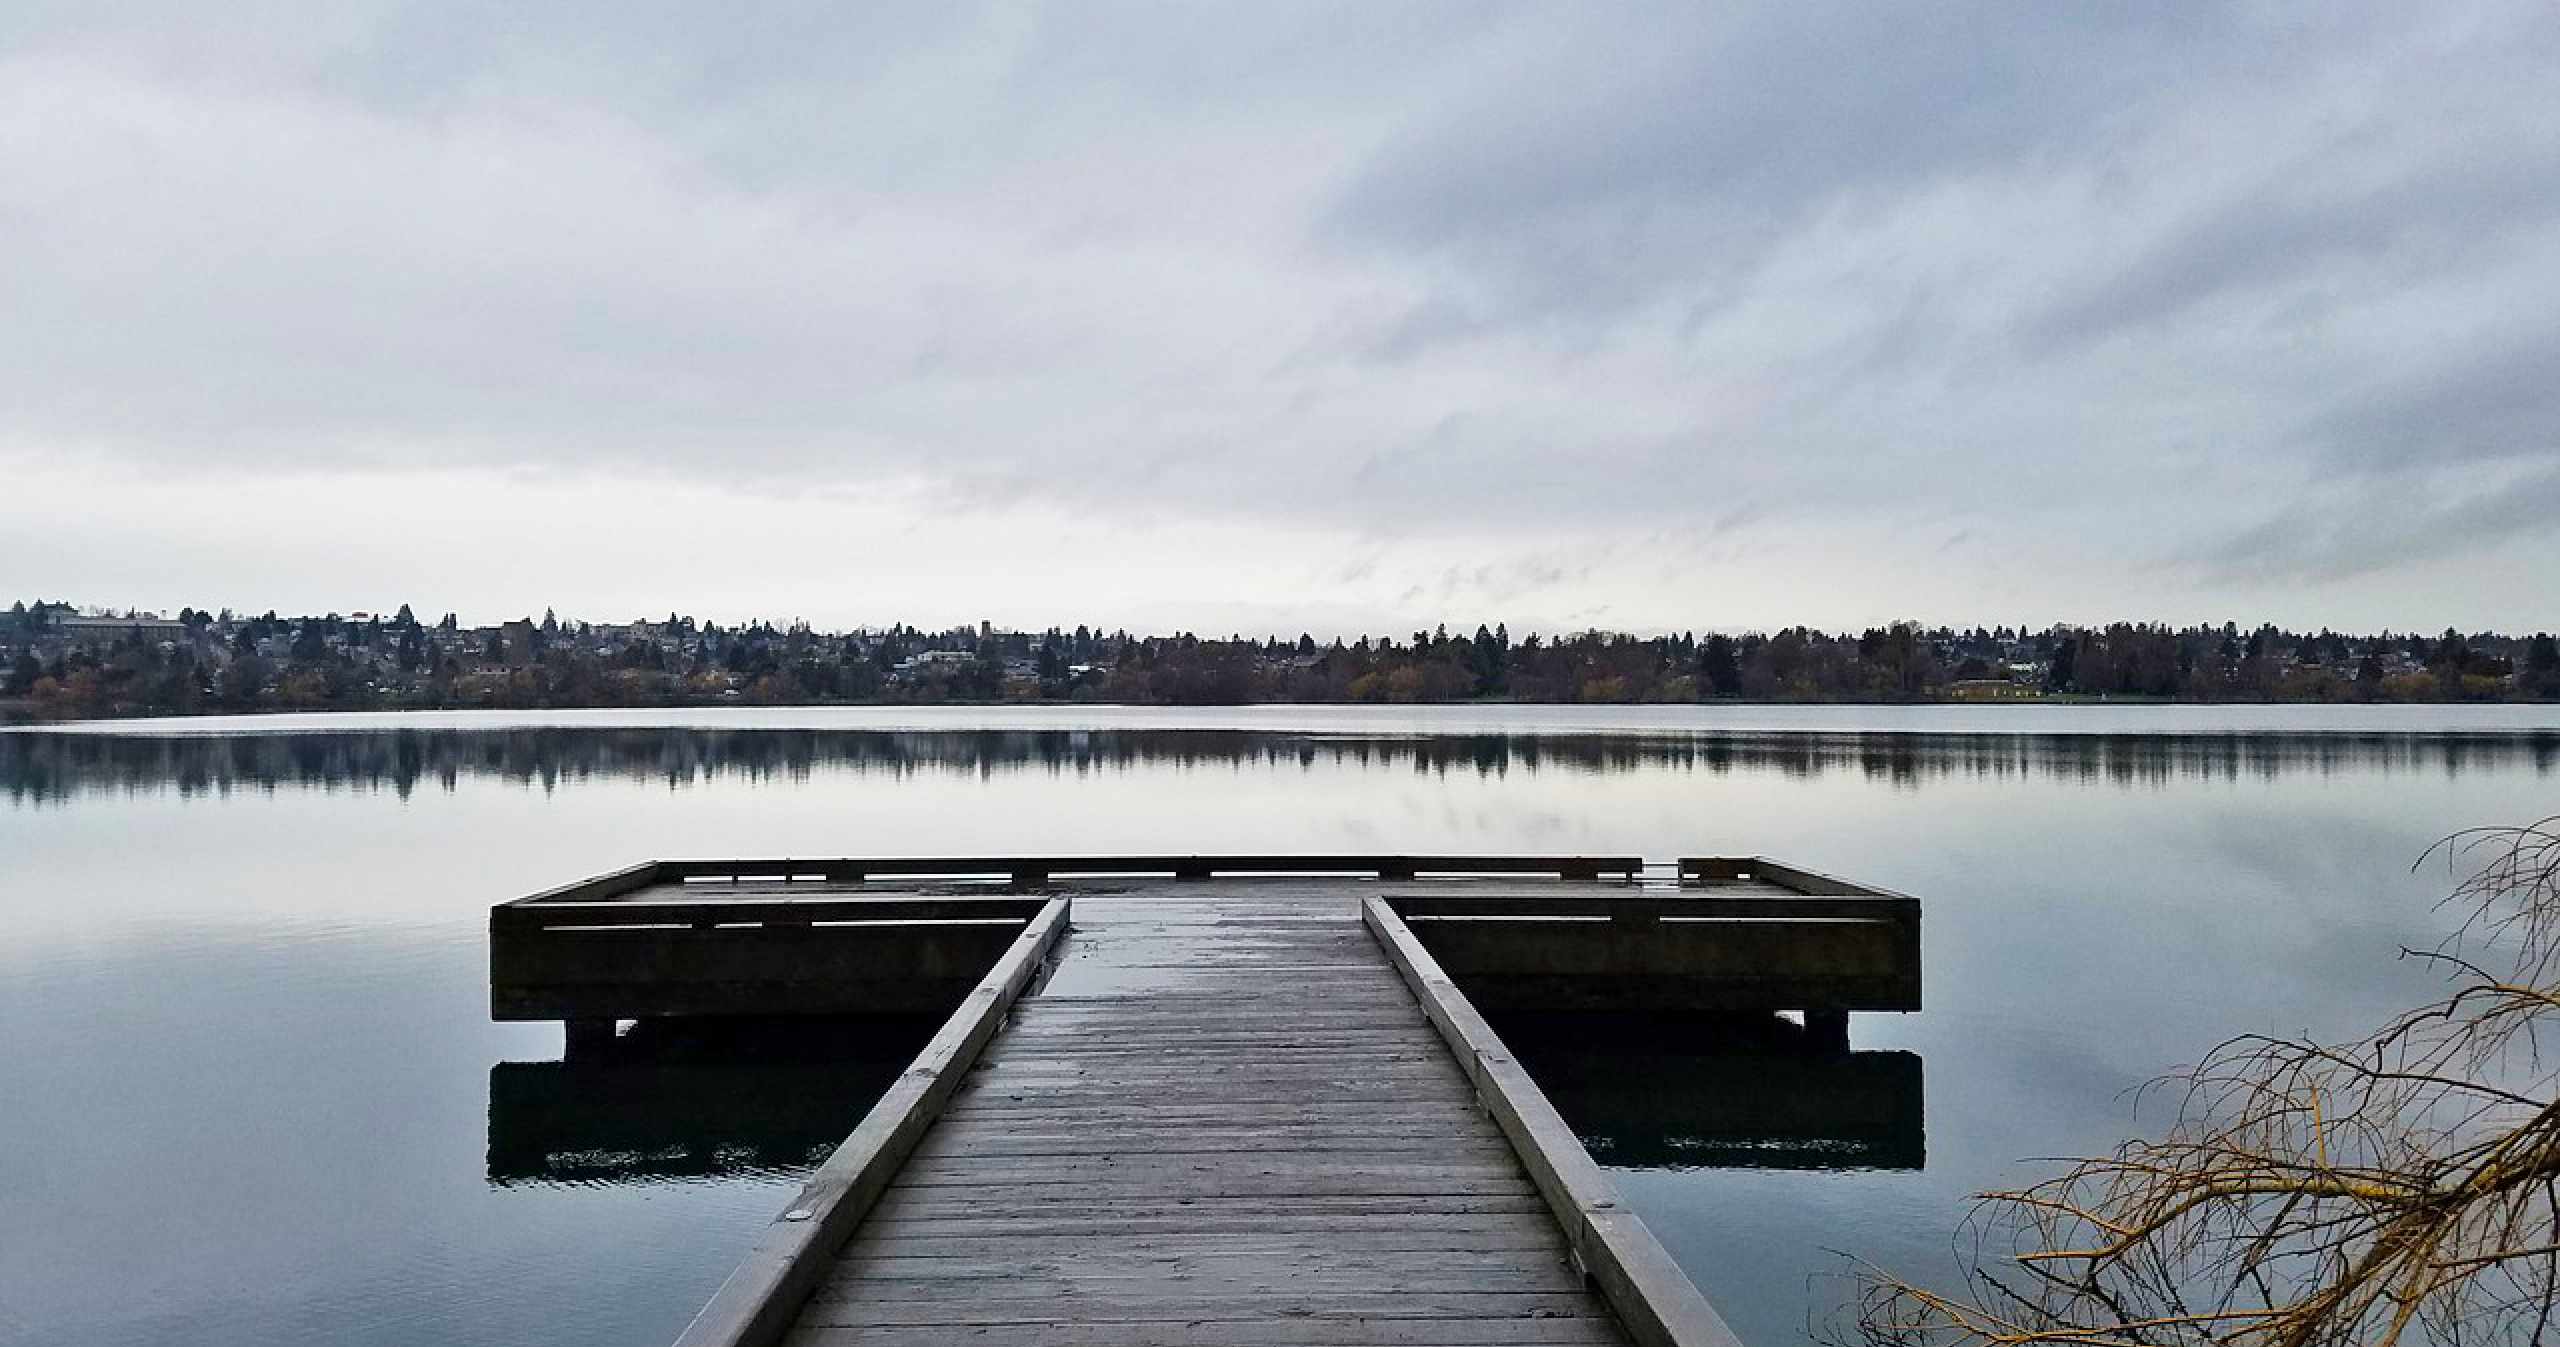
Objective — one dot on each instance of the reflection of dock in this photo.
(763, 1095)
(1724, 1095)
(1245, 1102)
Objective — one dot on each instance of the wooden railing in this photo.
(1739, 934)
(1038, 869)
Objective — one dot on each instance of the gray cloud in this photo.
(2332, 238)
(1436, 304)
(1621, 151)
(2497, 397)
(2377, 529)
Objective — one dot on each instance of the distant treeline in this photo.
(43, 768)
(56, 661)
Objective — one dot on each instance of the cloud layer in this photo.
(1640, 316)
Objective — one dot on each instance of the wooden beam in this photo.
(1712, 870)
(762, 967)
(1682, 905)
(1701, 965)
(1039, 868)
(625, 880)
(688, 909)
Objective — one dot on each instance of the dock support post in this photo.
(588, 1037)
(1827, 1030)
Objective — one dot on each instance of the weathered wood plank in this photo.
(1258, 1093)
(1208, 1307)
(1279, 1063)
(1238, 1110)
(891, 1280)
(1314, 1015)
(1190, 1053)
(965, 1145)
(1175, 1005)
(1411, 1080)
(1210, 1227)
(629, 879)
(1551, 1331)
(1252, 1172)
(1240, 1105)
(1362, 993)
(1714, 872)
(1176, 1060)
(842, 869)
(919, 1240)
(1176, 1086)
(799, 909)
(1276, 1210)
(1277, 1115)
(1314, 1185)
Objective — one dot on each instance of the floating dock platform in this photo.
(1247, 1101)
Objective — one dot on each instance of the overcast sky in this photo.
(1275, 317)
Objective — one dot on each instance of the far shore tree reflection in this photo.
(41, 768)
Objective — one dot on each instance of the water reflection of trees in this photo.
(41, 767)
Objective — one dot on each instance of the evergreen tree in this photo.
(2064, 673)
(1720, 666)
(2542, 666)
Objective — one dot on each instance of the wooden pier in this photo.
(1242, 1103)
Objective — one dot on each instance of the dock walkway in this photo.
(1206, 1101)
(1224, 1120)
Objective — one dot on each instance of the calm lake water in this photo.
(250, 1093)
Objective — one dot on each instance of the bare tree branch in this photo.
(2404, 1187)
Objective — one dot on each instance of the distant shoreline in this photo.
(23, 712)
(2083, 716)
(66, 665)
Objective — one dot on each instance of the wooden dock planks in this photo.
(1224, 1121)
(1251, 1107)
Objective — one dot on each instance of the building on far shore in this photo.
(518, 643)
(926, 660)
(112, 628)
(1991, 690)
